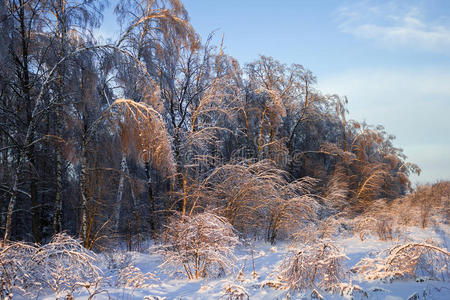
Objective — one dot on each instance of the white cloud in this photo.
(394, 26)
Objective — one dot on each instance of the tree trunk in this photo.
(57, 216)
(180, 183)
(35, 206)
(118, 206)
(12, 201)
(61, 32)
(151, 199)
(261, 131)
(84, 198)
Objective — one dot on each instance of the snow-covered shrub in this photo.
(133, 277)
(428, 205)
(60, 266)
(202, 245)
(316, 295)
(15, 267)
(257, 197)
(63, 263)
(409, 260)
(380, 224)
(380, 218)
(348, 290)
(234, 292)
(324, 229)
(122, 272)
(117, 260)
(314, 265)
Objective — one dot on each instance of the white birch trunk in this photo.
(83, 194)
(12, 204)
(57, 217)
(118, 206)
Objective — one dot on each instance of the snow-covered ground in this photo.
(266, 258)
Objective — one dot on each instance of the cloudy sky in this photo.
(391, 58)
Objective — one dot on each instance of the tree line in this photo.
(102, 139)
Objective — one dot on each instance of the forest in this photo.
(144, 137)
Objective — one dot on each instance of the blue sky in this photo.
(391, 58)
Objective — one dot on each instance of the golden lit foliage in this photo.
(254, 195)
(144, 129)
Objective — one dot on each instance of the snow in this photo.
(243, 283)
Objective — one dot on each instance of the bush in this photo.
(16, 263)
(202, 245)
(59, 266)
(380, 224)
(316, 265)
(234, 292)
(124, 274)
(410, 260)
(428, 205)
(348, 290)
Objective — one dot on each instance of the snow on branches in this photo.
(122, 272)
(234, 292)
(411, 260)
(144, 126)
(317, 265)
(255, 195)
(59, 266)
(201, 244)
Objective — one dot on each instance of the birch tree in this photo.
(66, 23)
(19, 92)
